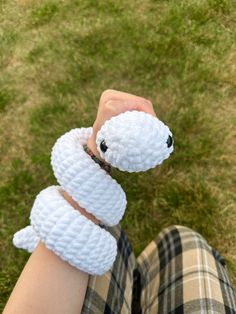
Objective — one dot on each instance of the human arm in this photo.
(48, 284)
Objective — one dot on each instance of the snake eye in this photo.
(169, 141)
(103, 146)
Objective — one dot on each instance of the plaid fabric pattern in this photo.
(178, 272)
(112, 292)
(181, 273)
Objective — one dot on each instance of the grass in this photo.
(56, 59)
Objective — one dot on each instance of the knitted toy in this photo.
(132, 141)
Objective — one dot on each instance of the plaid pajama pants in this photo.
(178, 272)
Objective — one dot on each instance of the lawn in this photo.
(56, 58)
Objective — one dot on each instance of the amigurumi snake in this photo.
(132, 141)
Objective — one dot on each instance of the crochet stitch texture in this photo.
(132, 141)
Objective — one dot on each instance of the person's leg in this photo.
(112, 292)
(181, 273)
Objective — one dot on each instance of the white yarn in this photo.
(136, 141)
(26, 238)
(69, 234)
(84, 180)
(133, 141)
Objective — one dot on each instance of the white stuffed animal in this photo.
(132, 141)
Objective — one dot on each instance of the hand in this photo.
(112, 103)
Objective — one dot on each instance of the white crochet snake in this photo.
(132, 141)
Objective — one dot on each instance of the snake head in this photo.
(134, 141)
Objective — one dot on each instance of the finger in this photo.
(148, 108)
(111, 94)
(115, 107)
(112, 108)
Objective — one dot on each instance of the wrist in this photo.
(76, 206)
(91, 143)
(91, 149)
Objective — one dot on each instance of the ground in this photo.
(57, 57)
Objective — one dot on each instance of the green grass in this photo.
(57, 57)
